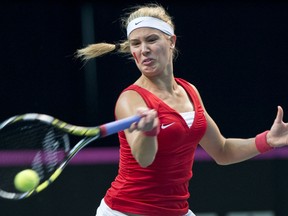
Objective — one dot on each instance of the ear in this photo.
(173, 41)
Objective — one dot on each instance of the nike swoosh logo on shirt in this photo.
(164, 126)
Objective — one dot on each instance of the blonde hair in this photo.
(99, 49)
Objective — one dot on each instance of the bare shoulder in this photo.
(130, 97)
(127, 104)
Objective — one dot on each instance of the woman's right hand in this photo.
(148, 122)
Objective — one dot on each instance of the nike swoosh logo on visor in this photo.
(164, 126)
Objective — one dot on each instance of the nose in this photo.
(145, 48)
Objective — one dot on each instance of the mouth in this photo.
(147, 61)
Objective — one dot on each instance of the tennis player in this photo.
(157, 154)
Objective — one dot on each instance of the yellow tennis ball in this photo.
(26, 180)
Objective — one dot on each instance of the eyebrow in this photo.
(150, 35)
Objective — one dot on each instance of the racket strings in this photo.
(30, 145)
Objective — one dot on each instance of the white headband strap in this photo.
(150, 22)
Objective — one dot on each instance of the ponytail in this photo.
(100, 49)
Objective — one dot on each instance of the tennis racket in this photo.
(43, 143)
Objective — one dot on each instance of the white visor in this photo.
(149, 22)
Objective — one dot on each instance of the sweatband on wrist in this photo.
(261, 142)
(154, 132)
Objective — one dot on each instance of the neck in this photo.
(155, 84)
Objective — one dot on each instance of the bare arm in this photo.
(226, 150)
(143, 148)
(232, 150)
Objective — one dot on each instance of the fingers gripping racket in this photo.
(42, 143)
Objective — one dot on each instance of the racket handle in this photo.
(118, 125)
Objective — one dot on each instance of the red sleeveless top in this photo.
(161, 188)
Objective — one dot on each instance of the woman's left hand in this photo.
(278, 134)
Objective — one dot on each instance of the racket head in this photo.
(41, 143)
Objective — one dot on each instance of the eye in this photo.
(152, 39)
(134, 43)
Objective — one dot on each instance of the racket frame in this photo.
(89, 135)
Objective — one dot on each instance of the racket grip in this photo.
(118, 125)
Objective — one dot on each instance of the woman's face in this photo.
(152, 50)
